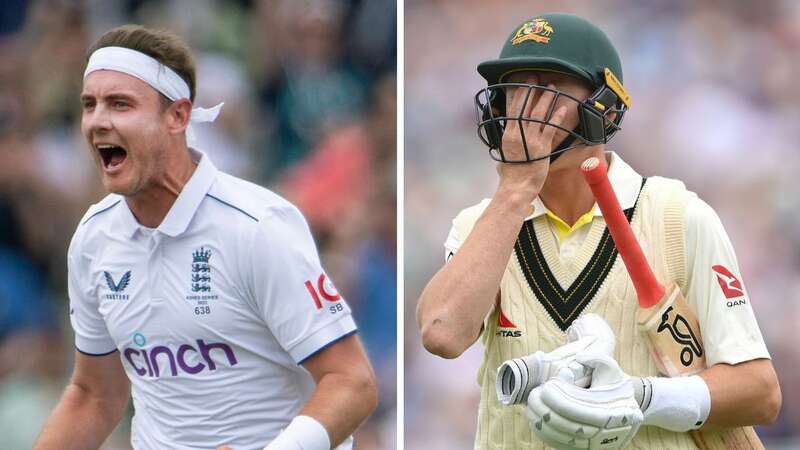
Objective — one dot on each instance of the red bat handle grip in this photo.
(648, 289)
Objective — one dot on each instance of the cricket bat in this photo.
(664, 316)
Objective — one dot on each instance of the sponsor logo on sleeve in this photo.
(324, 290)
(730, 285)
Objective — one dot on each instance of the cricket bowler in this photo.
(533, 272)
(196, 293)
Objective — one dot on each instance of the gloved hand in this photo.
(517, 377)
(603, 416)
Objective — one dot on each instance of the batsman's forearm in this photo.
(455, 302)
(79, 421)
(341, 403)
(743, 394)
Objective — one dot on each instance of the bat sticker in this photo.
(683, 334)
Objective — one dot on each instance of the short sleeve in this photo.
(716, 290)
(293, 294)
(462, 227)
(91, 334)
(452, 243)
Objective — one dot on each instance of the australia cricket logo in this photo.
(201, 270)
(683, 334)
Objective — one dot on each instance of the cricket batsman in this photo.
(533, 271)
(198, 294)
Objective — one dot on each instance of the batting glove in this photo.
(516, 378)
(603, 416)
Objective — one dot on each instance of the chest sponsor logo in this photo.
(201, 281)
(117, 288)
(160, 360)
(730, 285)
(505, 327)
(327, 291)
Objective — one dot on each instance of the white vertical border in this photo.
(400, 401)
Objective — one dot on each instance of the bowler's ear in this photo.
(178, 114)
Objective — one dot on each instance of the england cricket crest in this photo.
(201, 270)
(201, 282)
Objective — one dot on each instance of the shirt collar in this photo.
(182, 211)
(625, 181)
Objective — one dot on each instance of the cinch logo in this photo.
(504, 322)
(146, 361)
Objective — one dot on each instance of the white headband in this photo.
(160, 77)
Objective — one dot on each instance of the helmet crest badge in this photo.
(538, 30)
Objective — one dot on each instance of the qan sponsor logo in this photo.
(731, 286)
(161, 360)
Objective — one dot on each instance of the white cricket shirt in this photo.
(212, 312)
(715, 290)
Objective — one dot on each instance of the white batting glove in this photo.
(516, 378)
(593, 325)
(604, 416)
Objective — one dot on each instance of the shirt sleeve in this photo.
(452, 243)
(716, 291)
(91, 334)
(461, 228)
(293, 294)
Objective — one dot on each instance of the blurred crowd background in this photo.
(715, 103)
(310, 111)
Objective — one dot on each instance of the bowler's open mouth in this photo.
(112, 155)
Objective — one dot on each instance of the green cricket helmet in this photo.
(563, 43)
